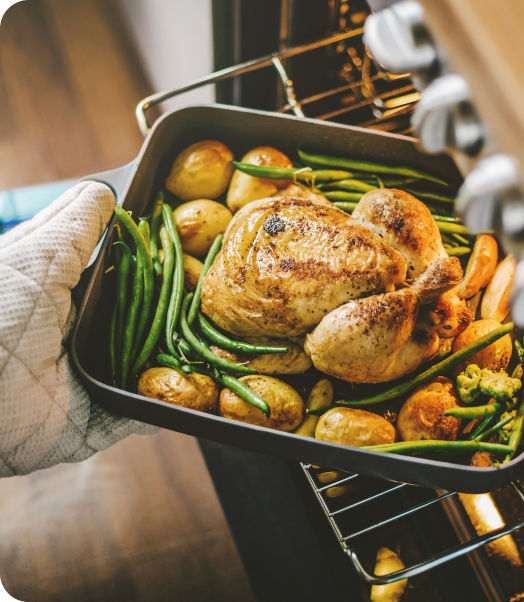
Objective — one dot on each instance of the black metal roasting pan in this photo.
(135, 185)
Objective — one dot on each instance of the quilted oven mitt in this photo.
(46, 416)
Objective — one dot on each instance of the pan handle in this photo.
(117, 179)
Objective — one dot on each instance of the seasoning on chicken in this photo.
(285, 263)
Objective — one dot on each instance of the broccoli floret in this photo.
(505, 432)
(474, 383)
(468, 384)
(499, 385)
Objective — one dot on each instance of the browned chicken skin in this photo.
(285, 263)
(291, 266)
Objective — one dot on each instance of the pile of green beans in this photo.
(145, 309)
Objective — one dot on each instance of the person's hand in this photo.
(46, 416)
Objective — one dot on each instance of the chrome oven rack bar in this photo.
(385, 106)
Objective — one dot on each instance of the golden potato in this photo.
(286, 405)
(201, 171)
(192, 269)
(321, 395)
(295, 361)
(388, 562)
(199, 222)
(244, 189)
(495, 357)
(193, 391)
(354, 427)
(422, 415)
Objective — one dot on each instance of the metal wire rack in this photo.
(366, 95)
(339, 518)
(387, 101)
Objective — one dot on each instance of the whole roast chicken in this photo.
(364, 289)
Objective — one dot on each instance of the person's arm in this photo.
(46, 416)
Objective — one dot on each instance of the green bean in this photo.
(187, 352)
(132, 317)
(430, 196)
(457, 251)
(493, 429)
(238, 387)
(350, 185)
(301, 174)
(461, 239)
(177, 291)
(475, 411)
(323, 161)
(244, 391)
(215, 336)
(143, 226)
(517, 429)
(121, 291)
(327, 175)
(155, 224)
(202, 349)
(448, 228)
(346, 206)
(163, 302)
(342, 195)
(435, 445)
(446, 218)
(212, 253)
(147, 266)
(164, 359)
(423, 377)
(480, 428)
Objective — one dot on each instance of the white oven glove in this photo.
(46, 416)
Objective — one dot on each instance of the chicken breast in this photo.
(405, 224)
(285, 263)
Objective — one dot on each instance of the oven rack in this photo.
(386, 105)
(397, 95)
(333, 511)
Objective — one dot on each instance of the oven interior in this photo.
(454, 546)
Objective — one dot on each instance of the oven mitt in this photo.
(46, 415)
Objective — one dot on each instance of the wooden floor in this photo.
(140, 521)
(69, 83)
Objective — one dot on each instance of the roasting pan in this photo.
(135, 185)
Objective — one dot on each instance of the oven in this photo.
(453, 546)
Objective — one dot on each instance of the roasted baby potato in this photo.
(193, 391)
(495, 304)
(201, 171)
(422, 415)
(388, 562)
(321, 395)
(244, 189)
(354, 427)
(192, 269)
(495, 356)
(481, 266)
(199, 222)
(286, 405)
(295, 361)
